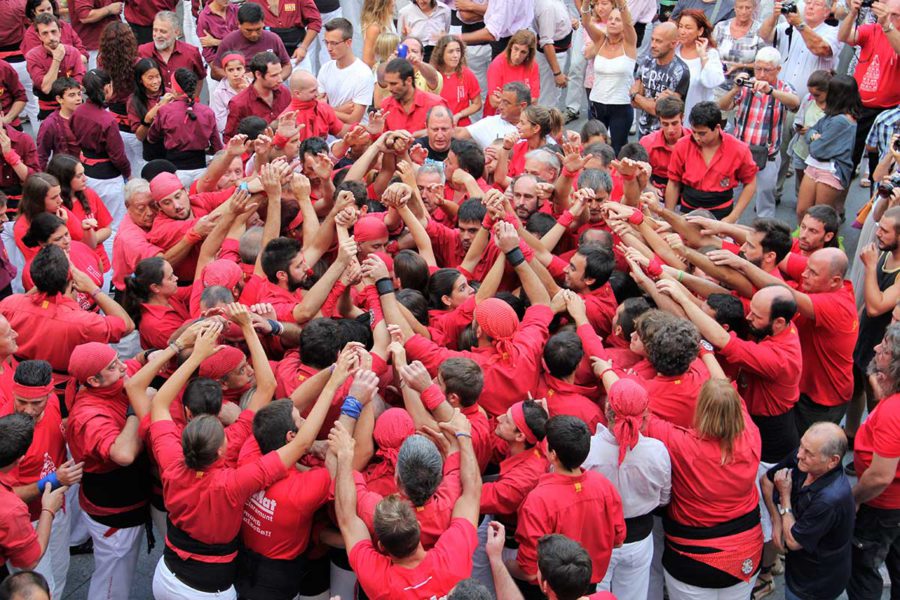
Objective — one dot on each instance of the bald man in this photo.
(828, 327)
(316, 117)
(659, 74)
(438, 133)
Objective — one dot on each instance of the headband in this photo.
(30, 392)
(517, 411)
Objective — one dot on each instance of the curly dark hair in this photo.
(673, 347)
(117, 55)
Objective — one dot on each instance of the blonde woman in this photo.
(377, 18)
(385, 49)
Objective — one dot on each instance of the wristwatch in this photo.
(784, 511)
(801, 27)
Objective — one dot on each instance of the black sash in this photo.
(291, 36)
(260, 577)
(562, 45)
(202, 576)
(638, 528)
(121, 487)
(693, 198)
(187, 160)
(100, 170)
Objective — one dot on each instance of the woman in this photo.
(42, 194)
(515, 64)
(103, 152)
(67, 34)
(385, 49)
(148, 97)
(47, 229)
(235, 81)
(738, 41)
(427, 20)
(613, 72)
(535, 124)
(84, 203)
(829, 166)
(599, 12)
(377, 17)
(461, 89)
(117, 55)
(151, 299)
(451, 307)
(696, 48)
(188, 130)
(811, 110)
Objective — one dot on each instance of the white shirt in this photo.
(505, 17)
(354, 83)
(551, 21)
(428, 28)
(797, 62)
(643, 480)
(704, 79)
(488, 129)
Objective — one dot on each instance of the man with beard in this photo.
(50, 61)
(170, 53)
(438, 133)
(587, 274)
(525, 198)
(407, 106)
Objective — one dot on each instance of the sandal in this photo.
(865, 183)
(765, 585)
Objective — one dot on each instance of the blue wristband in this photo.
(277, 328)
(351, 407)
(52, 479)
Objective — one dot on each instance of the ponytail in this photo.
(187, 81)
(137, 286)
(201, 440)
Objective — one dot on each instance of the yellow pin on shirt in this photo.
(577, 487)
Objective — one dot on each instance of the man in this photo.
(44, 463)
(877, 493)
(140, 17)
(818, 229)
(502, 18)
(406, 570)
(694, 184)
(811, 506)
(514, 98)
(170, 53)
(346, 81)
(562, 356)
(587, 274)
(250, 39)
(569, 500)
(659, 143)
(296, 22)
(18, 160)
(438, 133)
(407, 106)
(759, 120)
(12, 95)
(26, 585)
(90, 17)
(828, 328)
(215, 20)
(426, 77)
(463, 172)
(50, 61)
(554, 30)
(55, 136)
(316, 117)
(53, 314)
(525, 200)
(20, 543)
(877, 71)
(114, 496)
(266, 97)
(658, 75)
(8, 348)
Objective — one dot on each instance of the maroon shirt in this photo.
(293, 13)
(97, 132)
(55, 137)
(268, 42)
(89, 32)
(211, 23)
(11, 89)
(12, 27)
(9, 181)
(142, 13)
(67, 34)
(248, 103)
(184, 56)
(38, 62)
(179, 133)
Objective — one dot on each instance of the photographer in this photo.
(762, 103)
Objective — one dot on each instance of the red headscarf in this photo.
(498, 320)
(628, 400)
(87, 360)
(517, 411)
(164, 184)
(368, 229)
(225, 273)
(221, 363)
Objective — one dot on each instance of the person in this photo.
(144, 103)
(759, 121)
(296, 23)
(515, 97)
(22, 545)
(42, 193)
(812, 108)
(738, 40)
(517, 63)
(693, 187)
(438, 135)
(553, 26)
(502, 20)
(19, 161)
(714, 12)
(266, 97)
(13, 99)
(876, 491)
(250, 39)
(313, 117)
(89, 18)
(25, 585)
(151, 299)
(215, 20)
(625, 457)
(345, 80)
(235, 81)
(461, 89)
(697, 48)
(186, 129)
(55, 135)
(50, 60)
(829, 166)
(613, 67)
(407, 107)
(536, 124)
(661, 73)
(169, 53)
(811, 505)
(581, 72)
(377, 17)
(425, 20)
(117, 55)
(878, 43)
(659, 144)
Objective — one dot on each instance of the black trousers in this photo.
(143, 34)
(876, 540)
(807, 412)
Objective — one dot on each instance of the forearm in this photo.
(432, 77)
(214, 172)
(550, 55)
(111, 308)
(869, 487)
(532, 285)
(504, 584)
(44, 529)
(178, 252)
(673, 193)
(847, 30)
(742, 202)
(316, 296)
(51, 76)
(767, 28)
(128, 443)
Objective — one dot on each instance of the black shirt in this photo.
(433, 155)
(825, 513)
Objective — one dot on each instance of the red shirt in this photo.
(506, 379)
(459, 90)
(11, 89)
(769, 381)
(660, 153)
(143, 13)
(443, 566)
(267, 42)
(446, 325)
(564, 398)
(89, 32)
(21, 226)
(96, 210)
(85, 259)
(880, 434)
(282, 300)
(704, 492)
(97, 132)
(519, 474)
(216, 26)
(184, 56)
(293, 13)
(18, 539)
(827, 344)
(481, 434)
(601, 306)
(730, 166)
(55, 137)
(159, 322)
(398, 118)
(38, 61)
(179, 133)
(207, 505)
(500, 72)
(248, 103)
(564, 504)
(878, 66)
(46, 452)
(318, 118)
(278, 519)
(130, 247)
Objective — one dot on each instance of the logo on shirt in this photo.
(747, 566)
(262, 504)
(726, 182)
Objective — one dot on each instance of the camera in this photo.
(886, 188)
(788, 8)
(744, 82)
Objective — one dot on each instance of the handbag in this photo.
(760, 152)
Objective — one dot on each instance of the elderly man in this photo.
(812, 510)
(759, 121)
(514, 98)
(169, 52)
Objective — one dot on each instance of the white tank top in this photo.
(612, 79)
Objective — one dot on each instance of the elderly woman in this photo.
(738, 41)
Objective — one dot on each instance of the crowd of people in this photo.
(324, 297)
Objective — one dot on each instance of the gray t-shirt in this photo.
(726, 9)
(674, 76)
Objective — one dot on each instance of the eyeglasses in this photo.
(332, 44)
(765, 69)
